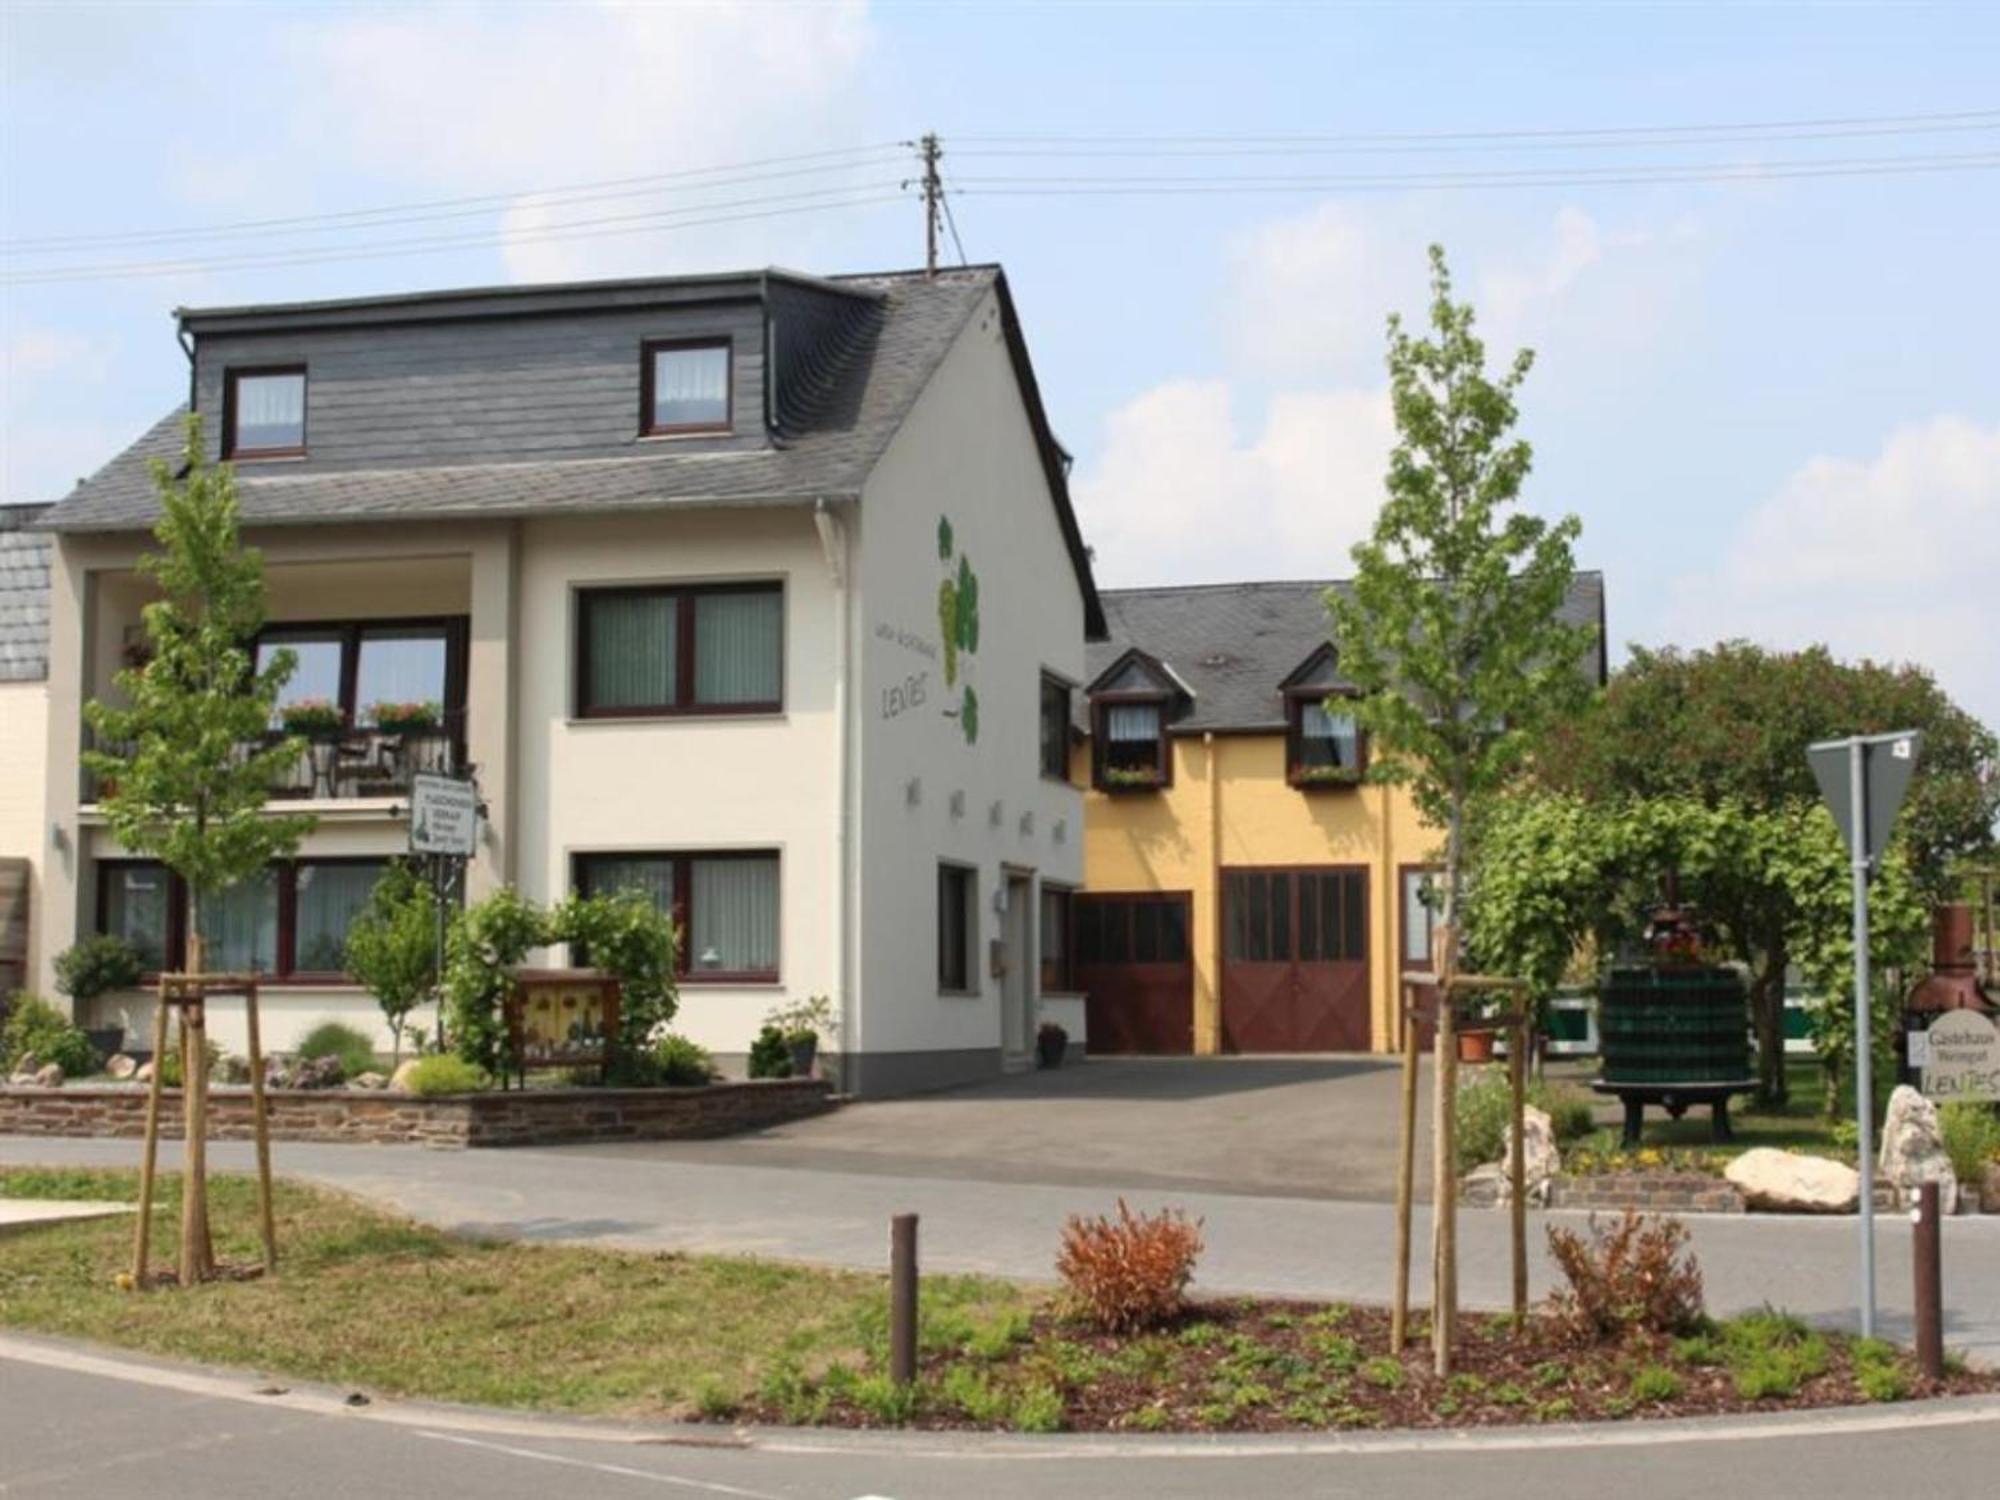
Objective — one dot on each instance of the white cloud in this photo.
(38, 353)
(1182, 494)
(1889, 557)
(466, 100)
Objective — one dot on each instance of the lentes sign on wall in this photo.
(1962, 1058)
(444, 815)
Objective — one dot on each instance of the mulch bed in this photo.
(1268, 1366)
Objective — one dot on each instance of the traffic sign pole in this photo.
(1864, 1037)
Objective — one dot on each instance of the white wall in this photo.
(966, 452)
(24, 824)
(686, 783)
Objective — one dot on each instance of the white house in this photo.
(24, 696)
(761, 592)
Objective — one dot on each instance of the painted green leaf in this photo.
(948, 629)
(966, 624)
(968, 715)
(944, 538)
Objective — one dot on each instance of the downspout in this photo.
(187, 348)
(1392, 939)
(833, 543)
(1214, 945)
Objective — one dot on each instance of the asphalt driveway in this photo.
(1298, 1127)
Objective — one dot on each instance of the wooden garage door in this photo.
(1295, 959)
(1136, 970)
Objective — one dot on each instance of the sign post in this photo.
(1863, 779)
(444, 828)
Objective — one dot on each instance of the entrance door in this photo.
(1136, 971)
(1295, 959)
(1418, 901)
(1017, 982)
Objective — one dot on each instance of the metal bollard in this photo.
(1928, 1254)
(903, 1298)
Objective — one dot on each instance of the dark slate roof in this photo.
(1233, 644)
(24, 596)
(830, 458)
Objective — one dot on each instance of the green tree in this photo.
(1730, 725)
(1451, 629)
(185, 757)
(392, 945)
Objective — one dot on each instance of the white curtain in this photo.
(1334, 736)
(690, 387)
(136, 901)
(738, 647)
(270, 411)
(1132, 721)
(330, 897)
(240, 927)
(733, 911)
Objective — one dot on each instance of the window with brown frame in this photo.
(684, 387)
(1053, 938)
(375, 672)
(1129, 750)
(658, 651)
(289, 923)
(264, 412)
(1323, 748)
(957, 929)
(725, 903)
(1055, 728)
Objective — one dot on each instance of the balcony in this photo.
(356, 764)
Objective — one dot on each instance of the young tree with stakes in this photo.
(186, 761)
(1451, 632)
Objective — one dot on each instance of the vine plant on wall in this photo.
(958, 625)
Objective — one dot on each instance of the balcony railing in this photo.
(357, 763)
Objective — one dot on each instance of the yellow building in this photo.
(1245, 889)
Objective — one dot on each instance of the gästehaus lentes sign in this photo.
(1964, 1057)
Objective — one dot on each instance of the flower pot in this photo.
(1475, 1046)
(804, 1051)
(1050, 1049)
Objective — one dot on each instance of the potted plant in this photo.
(1325, 776)
(405, 718)
(801, 1024)
(1051, 1044)
(315, 718)
(1476, 1046)
(1134, 777)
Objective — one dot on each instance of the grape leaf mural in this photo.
(958, 626)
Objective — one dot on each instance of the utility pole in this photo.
(929, 150)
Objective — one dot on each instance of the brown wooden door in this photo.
(1416, 919)
(1136, 970)
(1295, 959)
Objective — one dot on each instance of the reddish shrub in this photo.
(1634, 1273)
(1132, 1272)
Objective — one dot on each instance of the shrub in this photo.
(1039, 1409)
(170, 1065)
(446, 1073)
(392, 944)
(1132, 1273)
(680, 1062)
(1637, 1273)
(97, 966)
(1971, 1138)
(1655, 1383)
(1485, 1106)
(35, 1026)
(770, 1054)
(355, 1053)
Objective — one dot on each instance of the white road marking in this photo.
(621, 1470)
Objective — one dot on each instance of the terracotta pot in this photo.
(1475, 1046)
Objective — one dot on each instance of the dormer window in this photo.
(264, 413)
(1322, 747)
(1131, 741)
(684, 388)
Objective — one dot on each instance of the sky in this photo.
(1769, 393)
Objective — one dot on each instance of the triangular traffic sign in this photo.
(1887, 763)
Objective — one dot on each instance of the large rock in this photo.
(50, 1075)
(144, 1072)
(369, 1080)
(1787, 1183)
(1913, 1150)
(1540, 1161)
(120, 1067)
(400, 1079)
(1989, 1189)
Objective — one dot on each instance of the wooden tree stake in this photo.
(261, 1126)
(1406, 1171)
(1517, 1167)
(197, 1248)
(142, 1232)
(1444, 1169)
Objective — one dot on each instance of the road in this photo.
(83, 1425)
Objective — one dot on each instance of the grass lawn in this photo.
(1801, 1125)
(366, 1299)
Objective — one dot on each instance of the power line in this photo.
(306, 257)
(369, 218)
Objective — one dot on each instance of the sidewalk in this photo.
(668, 1197)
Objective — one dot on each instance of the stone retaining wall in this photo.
(530, 1118)
(1648, 1192)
